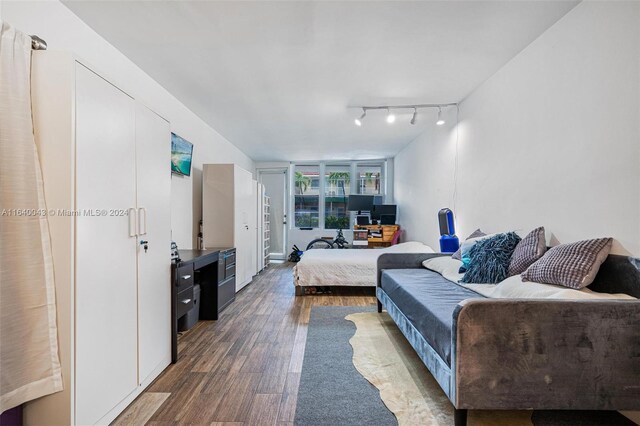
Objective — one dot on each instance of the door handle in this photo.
(186, 301)
(186, 277)
(142, 221)
(131, 213)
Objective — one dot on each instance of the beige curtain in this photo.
(29, 364)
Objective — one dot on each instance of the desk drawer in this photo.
(230, 258)
(184, 302)
(184, 278)
(230, 271)
(226, 293)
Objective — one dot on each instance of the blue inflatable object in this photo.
(449, 242)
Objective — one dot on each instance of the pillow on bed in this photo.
(490, 259)
(475, 234)
(529, 249)
(444, 265)
(572, 265)
(514, 288)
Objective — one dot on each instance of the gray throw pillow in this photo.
(528, 250)
(475, 234)
(572, 265)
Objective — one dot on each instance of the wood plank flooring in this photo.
(243, 369)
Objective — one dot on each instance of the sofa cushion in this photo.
(427, 300)
(573, 265)
(530, 249)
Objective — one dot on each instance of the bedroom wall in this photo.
(63, 30)
(553, 139)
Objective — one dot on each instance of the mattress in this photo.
(428, 300)
(349, 267)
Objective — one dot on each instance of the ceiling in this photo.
(277, 78)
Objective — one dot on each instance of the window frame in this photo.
(353, 185)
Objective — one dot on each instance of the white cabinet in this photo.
(105, 251)
(153, 178)
(104, 159)
(229, 212)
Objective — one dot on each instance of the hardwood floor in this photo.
(243, 369)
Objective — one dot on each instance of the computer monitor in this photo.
(363, 219)
(388, 219)
(360, 203)
(383, 209)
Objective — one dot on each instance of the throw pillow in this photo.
(572, 265)
(475, 234)
(490, 259)
(530, 249)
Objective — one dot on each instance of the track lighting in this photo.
(390, 116)
(358, 120)
(440, 121)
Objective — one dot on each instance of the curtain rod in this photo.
(37, 43)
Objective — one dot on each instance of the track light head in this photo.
(358, 120)
(415, 115)
(440, 121)
(390, 117)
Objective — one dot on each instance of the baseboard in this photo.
(113, 414)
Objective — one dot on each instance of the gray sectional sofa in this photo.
(519, 353)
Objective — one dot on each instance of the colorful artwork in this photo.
(181, 152)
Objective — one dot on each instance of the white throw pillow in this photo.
(445, 266)
(514, 288)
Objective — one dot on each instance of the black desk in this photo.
(214, 271)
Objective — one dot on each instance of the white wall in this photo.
(62, 30)
(553, 139)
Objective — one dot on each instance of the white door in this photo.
(243, 188)
(275, 184)
(106, 324)
(153, 154)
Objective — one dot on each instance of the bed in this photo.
(350, 267)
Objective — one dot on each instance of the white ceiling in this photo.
(276, 78)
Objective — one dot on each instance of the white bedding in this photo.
(513, 287)
(351, 267)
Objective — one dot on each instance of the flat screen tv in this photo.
(181, 152)
(360, 203)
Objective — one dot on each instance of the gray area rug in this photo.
(331, 391)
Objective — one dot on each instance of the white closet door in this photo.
(243, 201)
(153, 155)
(106, 325)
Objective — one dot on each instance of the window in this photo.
(337, 187)
(307, 196)
(369, 179)
(321, 191)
